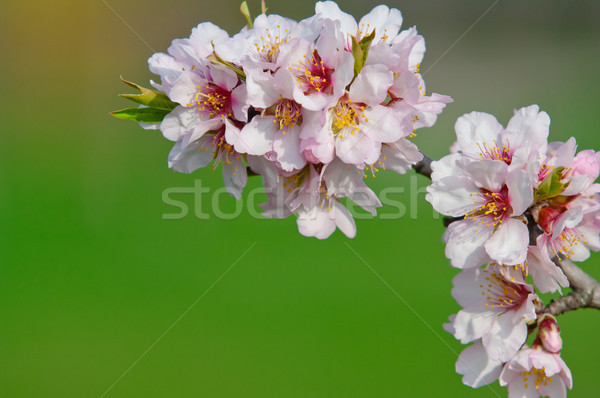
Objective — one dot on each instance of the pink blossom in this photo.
(535, 372)
(476, 366)
(320, 69)
(495, 310)
(490, 182)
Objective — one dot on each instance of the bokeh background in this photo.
(91, 275)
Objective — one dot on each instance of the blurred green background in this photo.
(91, 275)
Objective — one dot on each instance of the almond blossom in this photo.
(495, 310)
(535, 372)
(489, 182)
(568, 206)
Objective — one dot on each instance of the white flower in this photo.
(490, 181)
(384, 21)
(476, 366)
(494, 310)
(534, 372)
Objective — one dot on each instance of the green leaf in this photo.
(148, 97)
(360, 51)
(365, 45)
(359, 59)
(246, 13)
(551, 186)
(215, 59)
(146, 115)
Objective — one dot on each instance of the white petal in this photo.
(406, 86)
(383, 20)
(235, 178)
(554, 389)
(476, 367)
(239, 103)
(529, 127)
(260, 165)
(400, 156)
(205, 35)
(526, 311)
(487, 174)
(384, 123)
(357, 148)
(167, 68)
(186, 157)
(520, 191)
(471, 323)
(223, 77)
(344, 220)
(446, 166)
(517, 389)
(476, 129)
(546, 275)
(371, 85)
(428, 108)
(331, 10)
(508, 245)
(465, 244)
(453, 196)
(256, 138)
(316, 222)
(185, 88)
(178, 122)
(465, 288)
(260, 87)
(504, 339)
(287, 148)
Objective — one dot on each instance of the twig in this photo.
(424, 166)
(585, 294)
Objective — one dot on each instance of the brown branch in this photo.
(585, 294)
(424, 166)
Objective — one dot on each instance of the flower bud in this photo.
(549, 334)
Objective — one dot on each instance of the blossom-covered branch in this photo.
(514, 202)
(316, 107)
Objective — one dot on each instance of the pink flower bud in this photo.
(549, 334)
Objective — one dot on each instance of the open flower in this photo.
(358, 124)
(209, 95)
(384, 21)
(275, 132)
(525, 139)
(489, 182)
(535, 372)
(568, 207)
(185, 54)
(320, 69)
(491, 199)
(476, 366)
(495, 310)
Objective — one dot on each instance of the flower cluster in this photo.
(314, 107)
(517, 202)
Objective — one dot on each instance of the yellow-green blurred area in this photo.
(92, 276)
